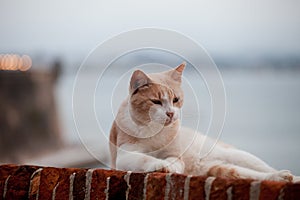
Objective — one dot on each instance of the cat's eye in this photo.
(155, 101)
(175, 100)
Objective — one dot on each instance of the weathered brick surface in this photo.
(33, 182)
(63, 188)
(34, 185)
(108, 183)
(136, 182)
(196, 189)
(156, 186)
(219, 189)
(270, 189)
(176, 191)
(5, 172)
(241, 189)
(18, 184)
(49, 179)
(291, 191)
(98, 185)
(79, 187)
(117, 186)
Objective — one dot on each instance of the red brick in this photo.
(18, 185)
(137, 186)
(270, 189)
(79, 185)
(156, 186)
(177, 186)
(63, 188)
(49, 179)
(197, 187)
(291, 191)
(5, 172)
(34, 184)
(241, 189)
(117, 184)
(98, 184)
(219, 188)
(46, 180)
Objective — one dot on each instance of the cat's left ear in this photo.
(138, 79)
(176, 73)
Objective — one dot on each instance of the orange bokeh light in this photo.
(14, 62)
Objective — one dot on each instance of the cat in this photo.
(146, 135)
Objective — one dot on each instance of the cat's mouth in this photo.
(169, 121)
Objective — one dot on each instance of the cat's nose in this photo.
(170, 114)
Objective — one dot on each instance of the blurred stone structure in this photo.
(29, 122)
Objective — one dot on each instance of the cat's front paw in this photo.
(282, 175)
(296, 179)
(163, 166)
(158, 166)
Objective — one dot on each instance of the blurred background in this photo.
(255, 44)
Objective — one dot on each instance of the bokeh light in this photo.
(14, 62)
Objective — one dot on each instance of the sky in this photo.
(71, 28)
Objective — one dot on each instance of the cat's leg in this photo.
(234, 171)
(241, 158)
(130, 160)
(175, 164)
(296, 179)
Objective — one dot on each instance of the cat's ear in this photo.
(176, 73)
(138, 79)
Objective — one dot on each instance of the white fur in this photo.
(132, 157)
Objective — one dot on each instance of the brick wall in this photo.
(33, 182)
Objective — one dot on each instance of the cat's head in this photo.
(156, 98)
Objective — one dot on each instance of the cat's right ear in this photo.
(176, 73)
(138, 79)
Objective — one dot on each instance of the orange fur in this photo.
(222, 172)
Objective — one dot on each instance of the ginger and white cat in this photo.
(146, 135)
